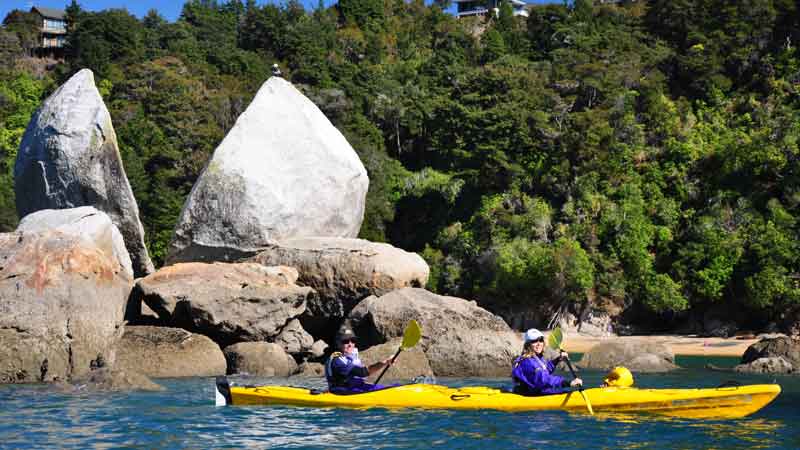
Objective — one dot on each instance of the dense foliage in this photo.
(639, 155)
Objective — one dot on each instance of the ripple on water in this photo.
(183, 416)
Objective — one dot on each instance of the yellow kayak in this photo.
(721, 402)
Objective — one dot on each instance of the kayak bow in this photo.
(721, 402)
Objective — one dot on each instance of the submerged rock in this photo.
(282, 171)
(69, 157)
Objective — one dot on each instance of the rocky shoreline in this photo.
(263, 268)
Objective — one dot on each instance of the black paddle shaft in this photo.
(572, 371)
(387, 367)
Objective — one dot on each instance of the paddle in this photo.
(554, 342)
(411, 336)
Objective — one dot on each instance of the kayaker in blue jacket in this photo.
(532, 373)
(345, 372)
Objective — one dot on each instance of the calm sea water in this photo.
(183, 416)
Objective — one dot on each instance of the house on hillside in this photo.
(52, 30)
(466, 8)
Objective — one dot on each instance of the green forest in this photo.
(638, 157)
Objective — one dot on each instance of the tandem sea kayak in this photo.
(721, 402)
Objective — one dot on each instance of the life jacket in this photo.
(337, 380)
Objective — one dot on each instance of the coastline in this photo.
(684, 345)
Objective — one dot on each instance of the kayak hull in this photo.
(722, 402)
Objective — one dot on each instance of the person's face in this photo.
(538, 345)
(347, 346)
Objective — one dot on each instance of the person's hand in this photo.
(387, 362)
(577, 382)
(563, 355)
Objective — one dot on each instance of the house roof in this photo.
(513, 2)
(50, 13)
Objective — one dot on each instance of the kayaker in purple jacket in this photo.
(345, 372)
(532, 373)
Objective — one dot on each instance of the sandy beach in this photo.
(680, 345)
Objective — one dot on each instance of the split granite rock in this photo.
(228, 302)
(69, 157)
(459, 338)
(62, 301)
(282, 171)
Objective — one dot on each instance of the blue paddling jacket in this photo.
(346, 375)
(533, 375)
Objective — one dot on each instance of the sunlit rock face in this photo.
(69, 157)
(282, 171)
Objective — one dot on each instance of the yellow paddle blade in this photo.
(411, 335)
(588, 404)
(555, 338)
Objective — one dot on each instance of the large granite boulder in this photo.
(62, 300)
(259, 359)
(639, 356)
(162, 352)
(86, 222)
(69, 157)
(772, 355)
(459, 337)
(343, 272)
(229, 302)
(282, 171)
(408, 365)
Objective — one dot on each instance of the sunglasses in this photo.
(541, 339)
(347, 341)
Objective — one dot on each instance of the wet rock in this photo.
(109, 379)
(69, 157)
(282, 171)
(161, 352)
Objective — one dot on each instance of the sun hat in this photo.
(532, 335)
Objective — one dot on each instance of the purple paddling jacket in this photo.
(533, 375)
